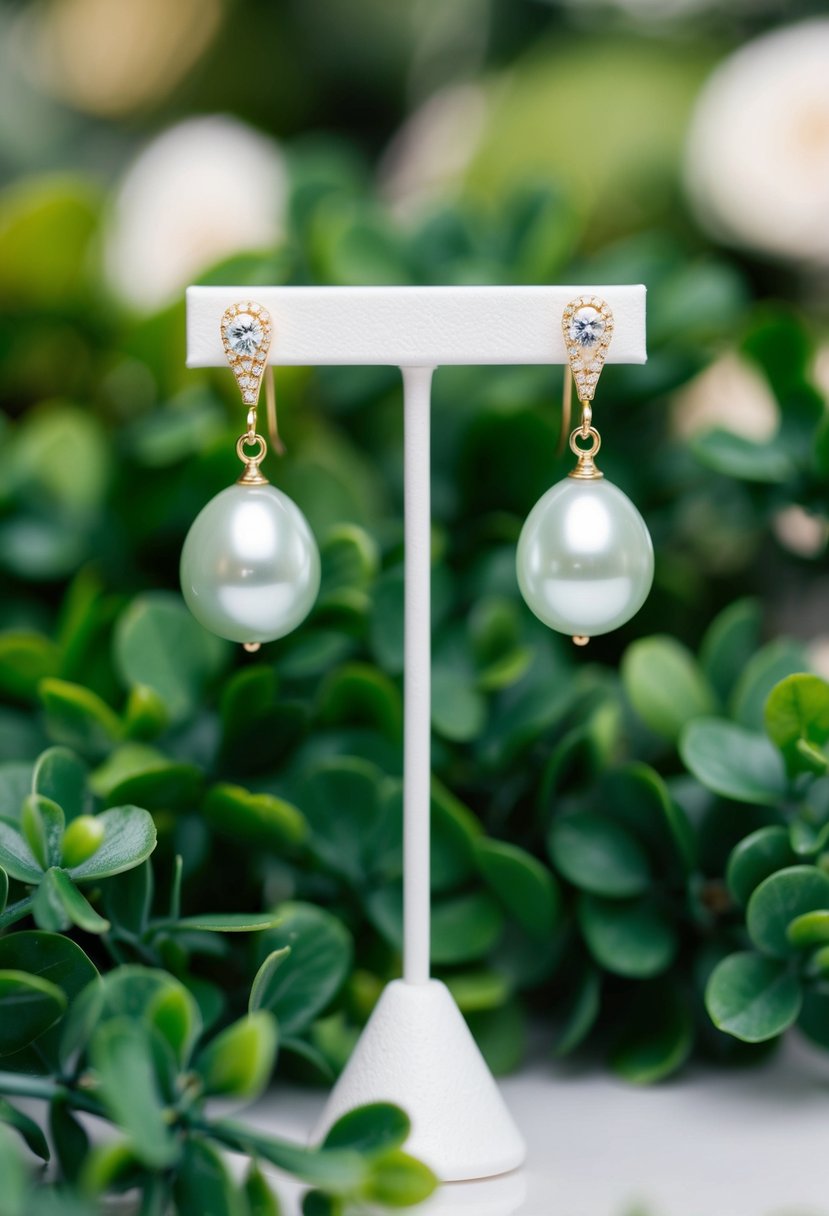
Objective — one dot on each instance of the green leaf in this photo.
(814, 1017)
(337, 1169)
(54, 958)
(637, 797)
(59, 903)
(158, 644)
(372, 1129)
(15, 785)
(145, 716)
(231, 922)
(78, 717)
(458, 707)
(129, 838)
(465, 928)
(260, 1199)
(16, 1193)
(263, 980)
(751, 997)
(42, 822)
(598, 855)
(240, 1060)
(261, 820)
(665, 685)
(399, 1181)
(658, 1038)
(797, 711)
(453, 839)
(809, 929)
(730, 641)
(755, 857)
(29, 1005)
(175, 1015)
(526, 888)
(16, 857)
(763, 671)
(26, 658)
(306, 980)
(82, 838)
(4, 889)
(69, 1138)
(354, 824)
(633, 938)
(578, 1011)
(359, 695)
(122, 1056)
(60, 775)
(349, 562)
(30, 1131)
(204, 1184)
(475, 991)
(780, 899)
(386, 621)
(745, 459)
(733, 762)
(128, 900)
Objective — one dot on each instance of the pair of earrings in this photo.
(250, 567)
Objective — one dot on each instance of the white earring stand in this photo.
(416, 1049)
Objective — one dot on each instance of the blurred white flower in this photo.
(433, 148)
(202, 191)
(799, 531)
(757, 165)
(729, 395)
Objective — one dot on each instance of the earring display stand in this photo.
(416, 1049)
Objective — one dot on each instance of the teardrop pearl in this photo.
(250, 567)
(585, 558)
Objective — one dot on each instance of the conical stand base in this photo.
(418, 1052)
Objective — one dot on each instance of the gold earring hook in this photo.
(566, 410)
(270, 405)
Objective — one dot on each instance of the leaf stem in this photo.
(17, 911)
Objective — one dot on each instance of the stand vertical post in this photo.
(417, 678)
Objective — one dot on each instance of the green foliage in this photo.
(201, 851)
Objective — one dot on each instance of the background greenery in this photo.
(629, 843)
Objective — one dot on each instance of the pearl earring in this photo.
(585, 557)
(250, 567)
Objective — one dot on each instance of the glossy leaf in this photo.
(261, 820)
(632, 938)
(526, 888)
(598, 855)
(658, 1039)
(797, 711)
(30, 1131)
(398, 1180)
(298, 986)
(665, 685)
(204, 1183)
(734, 762)
(78, 717)
(42, 823)
(59, 903)
(752, 998)
(123, 1058)
(129, 838)
(240, 1060)
(29, 1005)
(780, 899)
(372, 1129)
(62, 776)
(465, 928)
(757, 856)
(730, 641)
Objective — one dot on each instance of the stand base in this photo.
(418, 1052)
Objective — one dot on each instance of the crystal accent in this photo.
(244, 334)
(587, 326)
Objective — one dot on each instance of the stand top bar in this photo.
(413, 326)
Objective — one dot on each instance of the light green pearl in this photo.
(250, 567)
(585, 558)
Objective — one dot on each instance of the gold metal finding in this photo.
(251, 475)
(251, 647)
(580, 639)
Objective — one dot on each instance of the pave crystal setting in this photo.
(587, 325)
(246, 337)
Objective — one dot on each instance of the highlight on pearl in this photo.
(585, 558)
(250, 567)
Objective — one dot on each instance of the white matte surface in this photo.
(711, 1142)
(418, 1045)
(417, 678)
(413, 326)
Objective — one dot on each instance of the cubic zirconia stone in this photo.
(587, 326)
(244, 333)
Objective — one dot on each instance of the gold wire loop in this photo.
(251, 476)
(270, 403)
(590, 433)
(586, 419)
